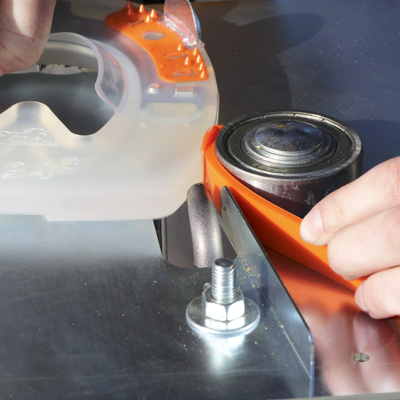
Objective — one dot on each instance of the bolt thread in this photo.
(223, 281)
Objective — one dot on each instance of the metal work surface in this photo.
(93, 311)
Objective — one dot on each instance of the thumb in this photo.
(24, 30)
(379, 294)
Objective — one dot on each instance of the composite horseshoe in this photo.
(158, 96)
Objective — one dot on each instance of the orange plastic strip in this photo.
(274, 227)
(174, 62)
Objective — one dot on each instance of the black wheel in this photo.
(292, 159)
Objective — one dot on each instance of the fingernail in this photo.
(311, 228)
(359, 298)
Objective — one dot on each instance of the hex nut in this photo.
(223, 312)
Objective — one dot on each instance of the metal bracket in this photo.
(259, 282)
(282, 332)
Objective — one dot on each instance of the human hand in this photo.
(24, 30)
(360, 223)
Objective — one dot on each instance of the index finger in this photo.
(376, 191)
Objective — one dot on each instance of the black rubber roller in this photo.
(292, 159)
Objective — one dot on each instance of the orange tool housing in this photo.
(174, 62)
(274, 227)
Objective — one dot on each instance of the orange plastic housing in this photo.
(174, 62)
(274, 227)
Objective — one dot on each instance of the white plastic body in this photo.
(138, 166)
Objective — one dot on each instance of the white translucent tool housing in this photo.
(139, 165)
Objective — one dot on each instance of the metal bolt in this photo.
(223, 281)
(222, 309)
(223, 301)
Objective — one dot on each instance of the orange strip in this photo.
(174, 62)
(274, 227)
